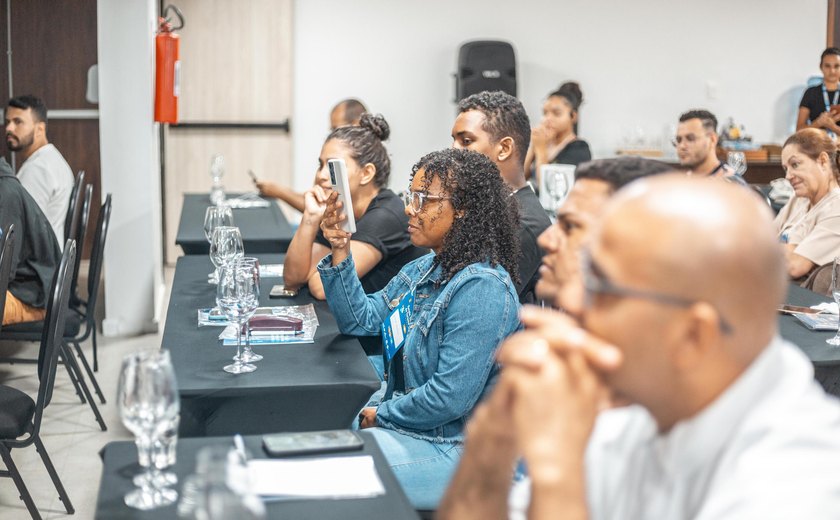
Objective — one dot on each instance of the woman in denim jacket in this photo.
(464, 304)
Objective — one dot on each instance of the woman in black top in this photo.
(555, 140)
(820, 105)
(381, 244)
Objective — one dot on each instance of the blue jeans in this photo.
(422, 468)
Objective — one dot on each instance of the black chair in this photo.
(7, 251)
(81, 234)
(71, 221)
(76, 317)
(20, 415)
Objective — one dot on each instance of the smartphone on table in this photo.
(286, 444)
(280, 291)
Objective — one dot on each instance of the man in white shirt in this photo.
(726, 420)
(44, 172)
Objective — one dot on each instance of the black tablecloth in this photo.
(120, 465)
(295, 388)
(826, 358)
(264, 230)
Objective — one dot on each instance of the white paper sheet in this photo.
(331, 477)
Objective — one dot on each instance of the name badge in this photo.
(395, 327)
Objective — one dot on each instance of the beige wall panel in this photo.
(235, 67)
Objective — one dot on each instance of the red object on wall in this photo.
(167, 74)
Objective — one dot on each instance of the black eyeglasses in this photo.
(595, 282)
(416, 199)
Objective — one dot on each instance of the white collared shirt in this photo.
(767, 448)
(49, 180)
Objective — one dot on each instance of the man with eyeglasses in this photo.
(696, 143)
(495, 124)
(724, 421)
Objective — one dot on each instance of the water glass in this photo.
(216, 216)
(835, 292)
(237, 295)
(737, 161)
(253, 266)
(225, 247)
(148, 403)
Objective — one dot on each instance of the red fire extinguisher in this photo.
(168, 69)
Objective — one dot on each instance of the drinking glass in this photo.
(216, 216)
(226, 246)
(217, 170)
(737, 161)
(148, 402)
(835, 292)
(237, 297)
(253, 266)
(221, 486)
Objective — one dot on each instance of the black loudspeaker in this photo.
(485, 65)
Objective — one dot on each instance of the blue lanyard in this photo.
(825, 97)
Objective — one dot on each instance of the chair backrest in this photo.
(80, 238)
(97, 252)
(71, 221)
(7, 251)
(53, 332)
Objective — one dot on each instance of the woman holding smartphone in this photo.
(453, 308)
(381, 245)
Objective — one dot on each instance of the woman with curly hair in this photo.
(441, 317)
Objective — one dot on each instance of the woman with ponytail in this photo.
(381, 244)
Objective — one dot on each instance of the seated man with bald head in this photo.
(725, 420)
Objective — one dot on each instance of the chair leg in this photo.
(6, 454)
(92, 377)
(72, 377)
(62, 494)
(95, 357)
(71, 361)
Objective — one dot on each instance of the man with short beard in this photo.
(44, 172)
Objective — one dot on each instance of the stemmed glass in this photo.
(253, 266)
(216, 216)
(237, 297)
(737, 161)
(835, 292)
(148, 403)
(225, 246)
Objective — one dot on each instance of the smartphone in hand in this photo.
(253, 176)
(341, 184)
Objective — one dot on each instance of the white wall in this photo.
(130, 165)
(640, 64)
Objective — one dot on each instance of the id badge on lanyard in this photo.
(828, 105)
(395, 326)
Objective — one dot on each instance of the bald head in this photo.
(346, 113)
(700, 240)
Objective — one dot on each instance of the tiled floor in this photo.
(69, 431)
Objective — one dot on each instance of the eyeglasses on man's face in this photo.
(416, 199)
(595, 282)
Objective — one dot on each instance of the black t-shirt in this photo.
(575, 153)
(384, 226)
(814, 101)
(533, 220)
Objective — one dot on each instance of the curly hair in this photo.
(365, 143)
(485, 229)
(504, 117)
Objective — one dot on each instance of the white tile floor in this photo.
(69, 430)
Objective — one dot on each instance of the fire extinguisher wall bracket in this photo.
(178, 13)
(167, 69)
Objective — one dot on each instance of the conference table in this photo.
(264, 230)
(120, 465)
(826, 359)
(296, 387)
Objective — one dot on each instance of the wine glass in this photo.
(226, 246)
(148, 402)
(737, 161)
(835, 292)
(216, 216)
(253, 266)
(237, 297)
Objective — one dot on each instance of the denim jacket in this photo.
(449, 351)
